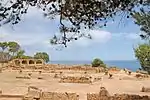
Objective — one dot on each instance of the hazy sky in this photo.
(115, 42)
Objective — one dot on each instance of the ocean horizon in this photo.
(129, 64)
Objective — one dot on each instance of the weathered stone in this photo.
(72, 79)
(103, 92)
(139, 75)
(0, 92)
(40, 77)
(23, 77)
(104, 95)
(145, 89)
(58, 96)
(110, 76)
(30, 74)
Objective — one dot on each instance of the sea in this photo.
(130, 64)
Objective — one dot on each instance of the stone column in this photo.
(27, 62)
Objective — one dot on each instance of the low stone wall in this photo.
(75, 68)
(81, 68)
(92, 96)
(117, 97)
(72, 79)
(114, 69)
(104, 95)
(97, 79)
(35, 93)
(139, 75)
(10, 96)
(58, 96)
(57, 67)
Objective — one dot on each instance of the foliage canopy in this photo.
(143, 20)
(81, 14)
(98, 63)
(42, 55)
(142, 52)
(8, 50)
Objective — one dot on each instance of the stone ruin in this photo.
(114, 69)
(25, 63)
(76, 68)
(104, 95)
(37, 94)
(141, 76)
(145, 89)
(33, 93)
(73, 79)
(59, 96)
(23, 77)
(79, 79)
(58, 75)
(85, 78)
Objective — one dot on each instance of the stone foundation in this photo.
(139, 75)
(145, 89)
(36, 94)
(76, 68)
(59, 96)
(72, 79)
(104, 95)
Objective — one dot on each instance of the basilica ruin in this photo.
(27, 62)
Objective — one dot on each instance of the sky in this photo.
(114, 42)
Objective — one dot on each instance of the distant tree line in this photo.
(12, 50)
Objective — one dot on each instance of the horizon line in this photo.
(91, 60)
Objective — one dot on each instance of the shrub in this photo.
(103, 65)
(98, 63)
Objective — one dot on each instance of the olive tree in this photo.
(142, 53)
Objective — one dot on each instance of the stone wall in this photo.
(104, 95)
(58, 96)
(26, 62)
(73, 79)
(35, 93)
(10, 96)
(75, 68)
(114, 69)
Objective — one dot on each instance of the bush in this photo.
(103, 65)
(98, 63)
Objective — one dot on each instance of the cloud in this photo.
(32, 33)
(98, 36)
(25, 37)
(33, 29)
(31, 43)
(133, 36)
